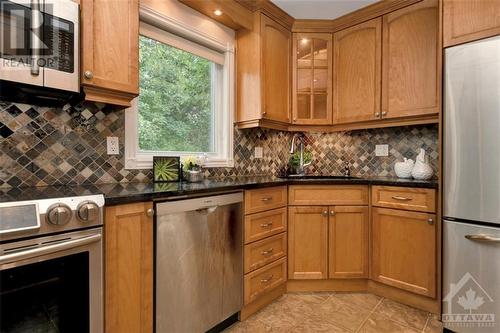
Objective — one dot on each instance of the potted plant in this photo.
(192, 168)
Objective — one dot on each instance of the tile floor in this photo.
(337, 312)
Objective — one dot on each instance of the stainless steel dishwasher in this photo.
(198, 262)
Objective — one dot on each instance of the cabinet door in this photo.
(357, 71)
(307, 242)
(110, 50)
(128, 233)
(410, 80)
(348, 242)
(275, 55)
(468, 20)
(312, 79)
(404, 250)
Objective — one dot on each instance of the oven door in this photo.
(52, 284)
(20, 42)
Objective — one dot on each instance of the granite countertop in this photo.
(119, 193)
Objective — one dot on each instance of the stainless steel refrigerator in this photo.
(471, 193)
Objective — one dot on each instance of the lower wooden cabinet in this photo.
(308, 242)
(128, 247)
(404, 250)
(348, 242)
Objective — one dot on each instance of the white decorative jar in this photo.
(403, 169)
(422, 170)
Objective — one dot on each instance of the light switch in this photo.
(259, 152)
(382, 150)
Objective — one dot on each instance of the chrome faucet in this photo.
(300, 137)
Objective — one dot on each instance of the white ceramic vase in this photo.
(422, 170)
(403, 169)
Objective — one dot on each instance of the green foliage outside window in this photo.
(175, 111)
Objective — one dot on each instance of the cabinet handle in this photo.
(150, 212)
(324, 213)
(377, 114)
(397, 197)
(266, 252)
(265, 199)
(384, 113)
(265, 280)
(266, 225)
(88, 75)
(264, 113)
(332, 213)
(430, 221)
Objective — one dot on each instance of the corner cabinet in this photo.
(312, 79)
(110, 51)
(411, 61)
(357, 60)
(465, 21)
(263, 74)
(128, 247)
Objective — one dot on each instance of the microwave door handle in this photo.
(47, 249)
(36, 22)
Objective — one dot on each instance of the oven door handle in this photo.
(47, 249)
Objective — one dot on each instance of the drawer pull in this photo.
(266, 252)
(266, 199)
(266, 225)
(397, 197)
(268, 279)
(483, 238)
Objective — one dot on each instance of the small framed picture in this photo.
(166, 169)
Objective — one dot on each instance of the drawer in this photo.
(307, 195)
(265, 251)
(264, 279)
(265, 199)
(408, 198)
(265, 224)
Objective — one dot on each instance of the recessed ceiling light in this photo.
(304, 40)
(218, 12)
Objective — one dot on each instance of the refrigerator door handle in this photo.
(483, 238)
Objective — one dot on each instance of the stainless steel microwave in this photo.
(39, 45)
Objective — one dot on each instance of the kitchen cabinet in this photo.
(128, 247)
(357, 61)
(265, 247)
(263, 74)
(312, 79)
(411, 61)
(465, 21)
(348, 242)
(110, 51)
(407, 198)
(308, 242)
(404, 250)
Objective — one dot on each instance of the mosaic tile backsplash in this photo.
(46, 146)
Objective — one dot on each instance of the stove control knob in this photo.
(58, 214)
(87, 211)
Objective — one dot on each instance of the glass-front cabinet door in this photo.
(312, 79)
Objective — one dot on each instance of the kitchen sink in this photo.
(317, 177)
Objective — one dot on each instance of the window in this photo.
(185, 100)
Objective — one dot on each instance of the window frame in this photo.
(152, 24)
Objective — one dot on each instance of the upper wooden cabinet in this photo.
(312, 79)
(128, 247)
(411, 61)
(263, 74)
(404, 250)
(357, 53)
(468, 20)
(110, 37)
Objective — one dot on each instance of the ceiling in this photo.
(320, 9)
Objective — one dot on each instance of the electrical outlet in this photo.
(112, 145)
(258, 152)
(382, 150)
